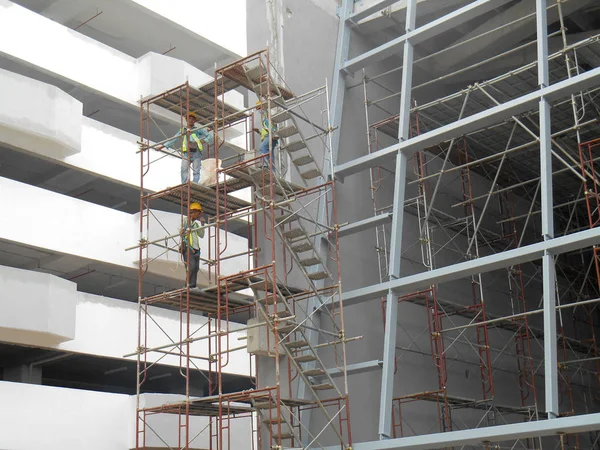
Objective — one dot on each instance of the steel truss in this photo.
(543, 357)
(278, 280)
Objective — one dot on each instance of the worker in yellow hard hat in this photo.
(191, 147)
(191, 240)
(268, 137)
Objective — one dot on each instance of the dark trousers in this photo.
(193, 266)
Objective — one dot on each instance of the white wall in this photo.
(47, 311)
(96, 315)
(37, 308)
(38, 116)
(53, 418)
(75, 227)
(103, 145)
(222, 22)
(84, 61)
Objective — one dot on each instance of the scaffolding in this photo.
(279, 299)
(499, 214)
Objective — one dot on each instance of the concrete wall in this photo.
(99, 68)
(84, 229)
(68, 419)
(58, 418)
(38, 116)
(209, 21)
(48, 311)
(96, 315)
(38, 308)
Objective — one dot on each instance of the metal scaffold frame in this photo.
(539, 185)
(287, 291)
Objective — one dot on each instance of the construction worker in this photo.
(191, 236)
(196, 137)
(267, 136)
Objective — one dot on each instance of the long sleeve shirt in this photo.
(193, 235)
(197, 136)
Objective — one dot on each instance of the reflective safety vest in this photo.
(192, 234)
(264, 132)
(195, 136)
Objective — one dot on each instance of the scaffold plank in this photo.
(202, 103)
(205, 195)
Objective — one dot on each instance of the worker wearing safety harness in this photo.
(191, 148)
(191, 236)
(267, 136)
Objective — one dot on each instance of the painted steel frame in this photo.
(546, 250)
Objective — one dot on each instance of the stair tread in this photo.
(303, 160)
(294, 233)
(305, 358)
(313, 372)
(318, 275)
(296, 344)
(285, 329)
(310, 174)
(287, 131)
(312, 261)
(303, 247)
(286, 217)
(322, 386)
(294, 146)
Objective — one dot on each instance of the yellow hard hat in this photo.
(193, 114)
(196, 207)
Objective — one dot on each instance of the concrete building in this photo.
(71, 77)
(419, 271)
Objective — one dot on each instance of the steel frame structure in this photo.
(532, 243)
(289, 272)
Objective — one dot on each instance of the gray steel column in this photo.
(549, 276)
(338, 88)
(391, 311)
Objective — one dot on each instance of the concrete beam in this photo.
(473, 123)
(421, 34)
(378, 6)
(497, 261)
(478, 436)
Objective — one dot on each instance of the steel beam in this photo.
(421, 34)
(412, 283)
(338, 88)
(481, 436)
(475, 122)
(364, 224)
(353, 369)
